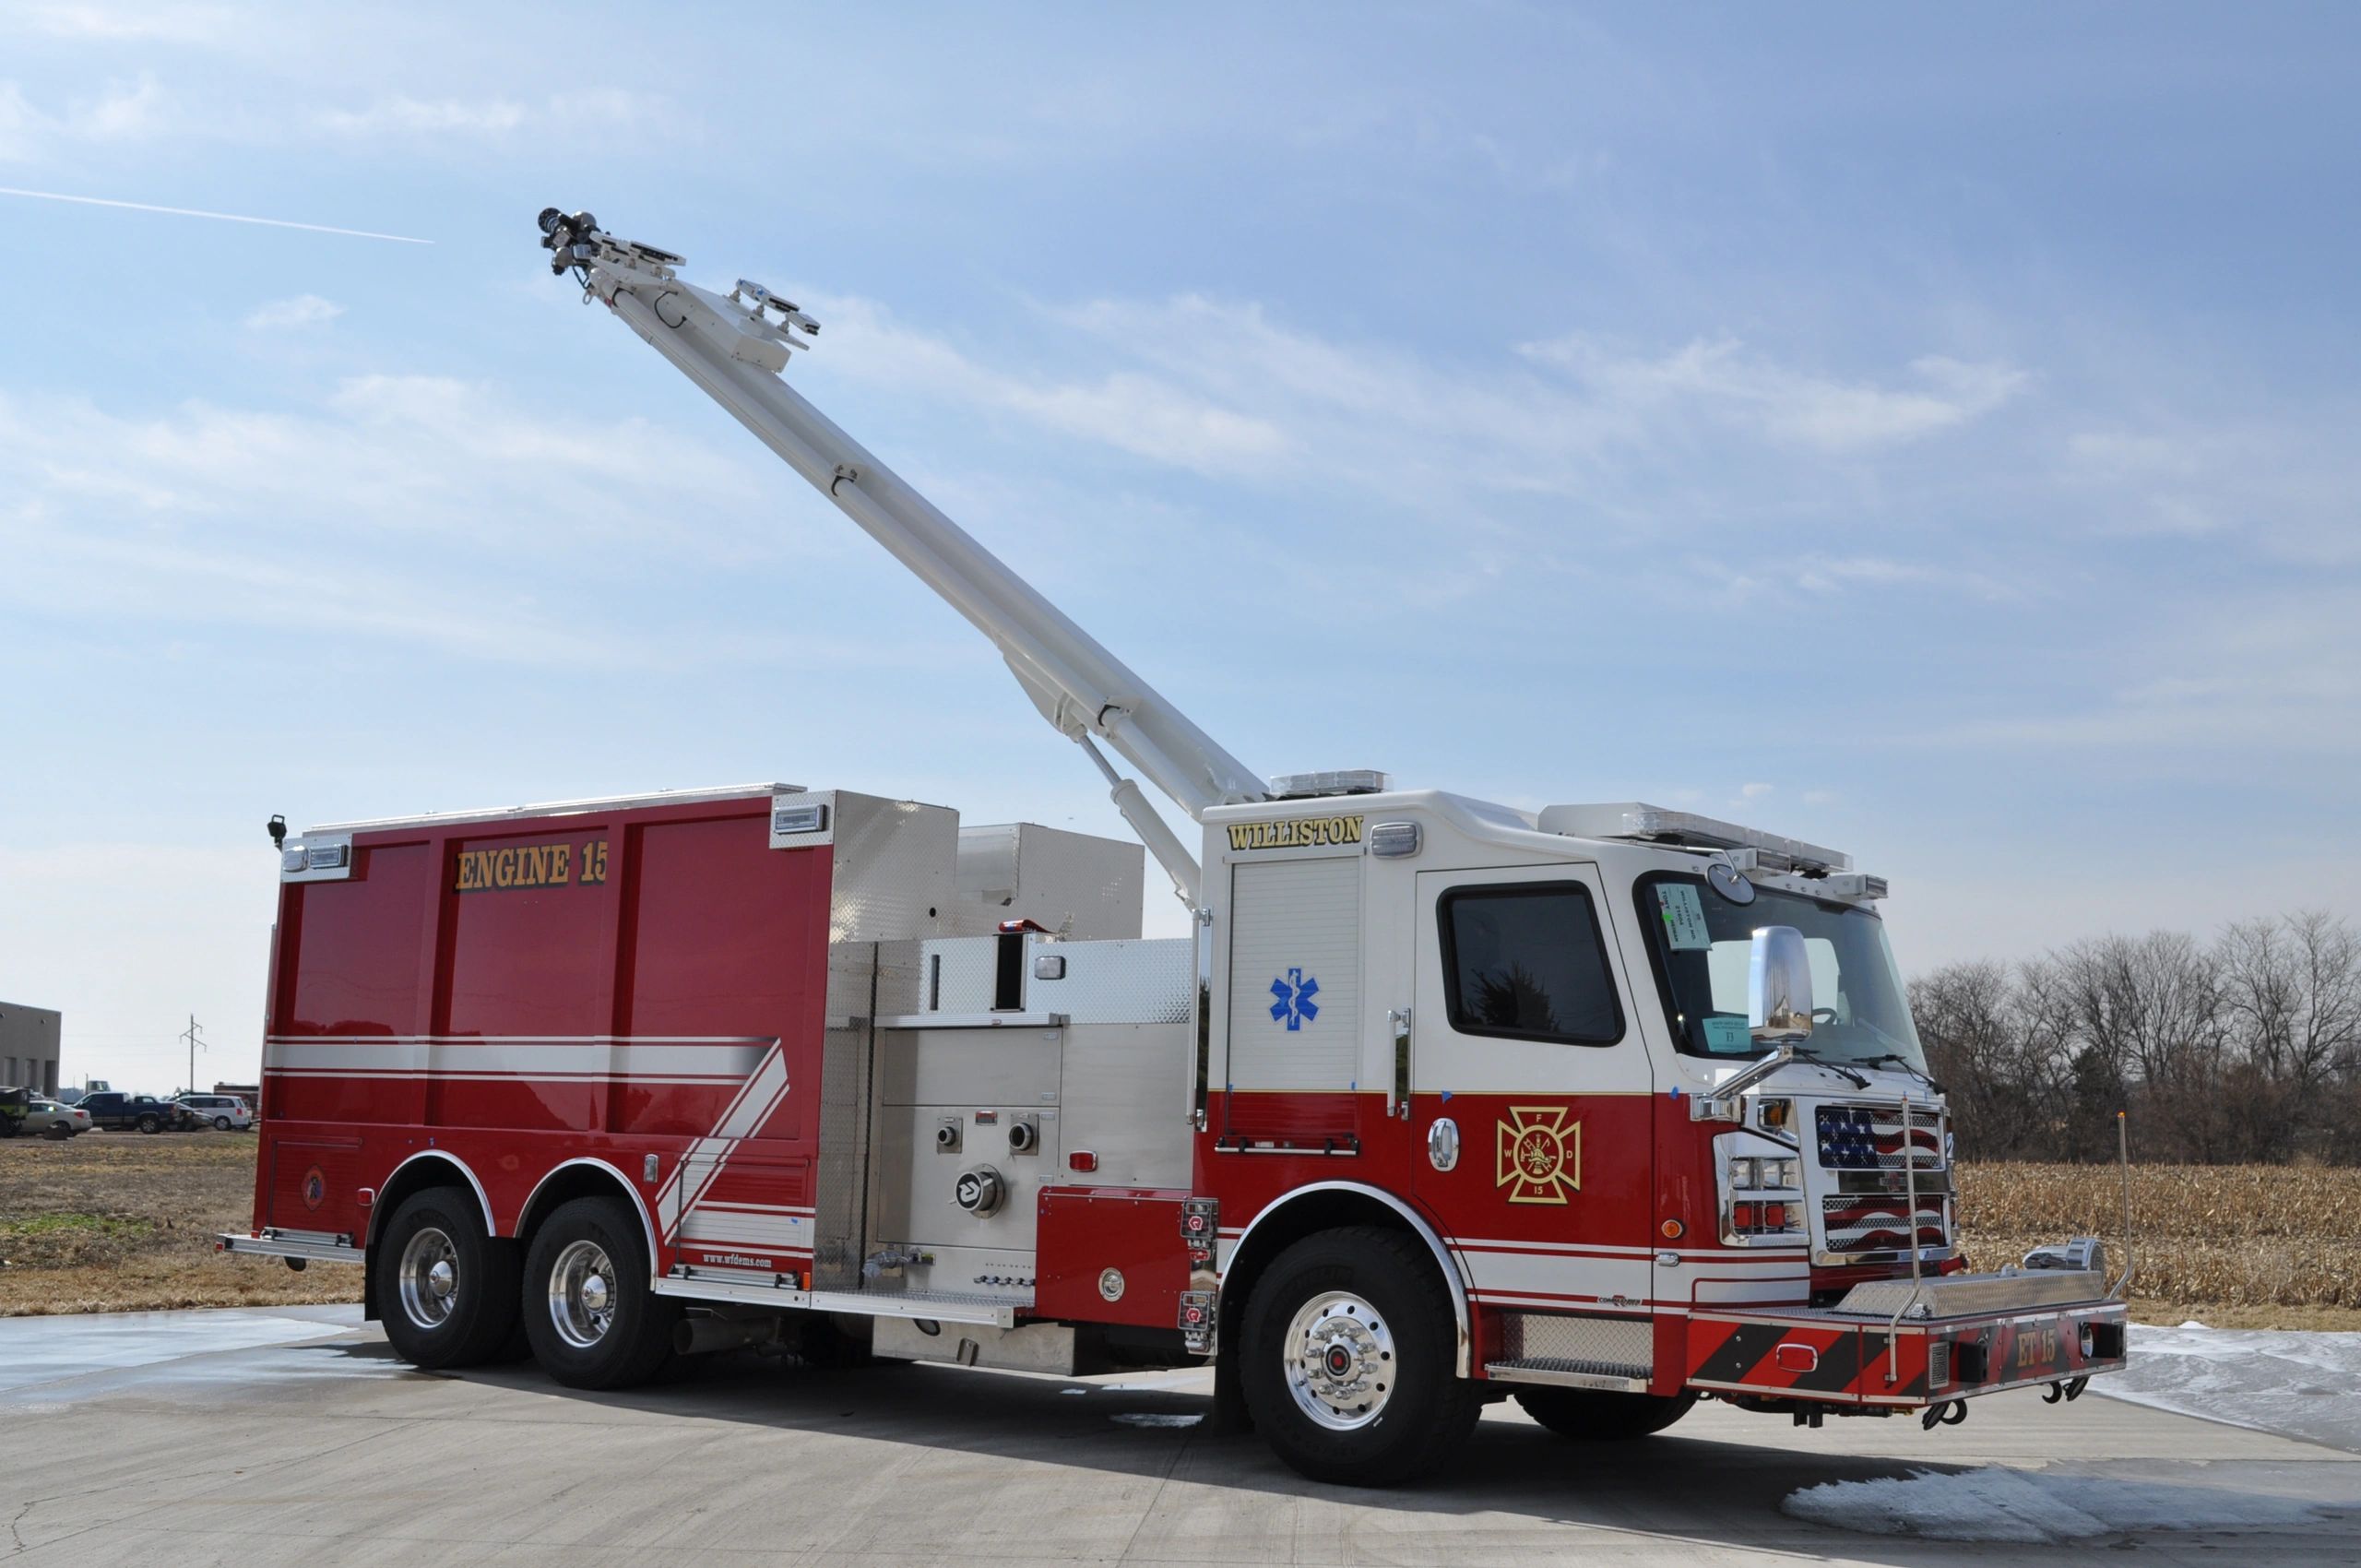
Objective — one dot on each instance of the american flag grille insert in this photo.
(1868, 1137)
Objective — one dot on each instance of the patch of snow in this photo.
(2001, 1504)
(2298, 1385)
(1153, 1419)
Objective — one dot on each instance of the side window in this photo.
(1526, 961)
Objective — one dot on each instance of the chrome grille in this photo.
(1874, 1222)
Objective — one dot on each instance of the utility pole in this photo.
(190, 1035)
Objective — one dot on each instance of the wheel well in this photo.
(1278, 1228)
(579, 1179)
(417, 1174)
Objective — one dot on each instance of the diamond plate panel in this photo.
(1601, 1346)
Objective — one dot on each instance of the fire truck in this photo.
(1607, 1108)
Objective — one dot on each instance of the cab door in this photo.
(1525, 1040)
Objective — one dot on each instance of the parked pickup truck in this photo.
(116, 1112)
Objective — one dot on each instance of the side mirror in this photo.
(1778, 986)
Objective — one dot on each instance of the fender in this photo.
(449, 1158)
(621, 1180)
(1444, 1259)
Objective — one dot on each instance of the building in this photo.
(29, 1046)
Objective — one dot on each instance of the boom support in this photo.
(734, 347)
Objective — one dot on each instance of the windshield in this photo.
(1702, 942)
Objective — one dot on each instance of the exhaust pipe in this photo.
(703, 1336)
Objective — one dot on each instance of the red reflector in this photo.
(1082, 1159)
(1774, 1216)
(1743, 1215)
(1796, 1358)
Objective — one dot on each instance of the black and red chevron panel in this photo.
(1850, 1362)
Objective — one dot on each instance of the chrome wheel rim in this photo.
(430, 1279)
(1340, 1361)
(582, 1294)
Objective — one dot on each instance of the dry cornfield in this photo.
(2253, 1236)
(113, 1221)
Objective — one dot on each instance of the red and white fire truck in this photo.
(1606, 1108)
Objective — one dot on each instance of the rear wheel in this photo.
(1348, 1360)
(591, 1319)
(150, 1124)
(221, 1124)
(1596, 1416)
(447, 1290)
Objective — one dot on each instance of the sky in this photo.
(1932, 434)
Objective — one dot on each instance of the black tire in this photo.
(1392, 1409)
(577, 1341)
(221, 1124)
(57, 1132)
(150, 1124)
(1598, 1416)
(428, 1327)
(9, 1126)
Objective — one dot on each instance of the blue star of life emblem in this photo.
(1295, 1007)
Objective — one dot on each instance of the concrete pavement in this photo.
(293, 1436)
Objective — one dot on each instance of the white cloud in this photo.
(400, 115)
(1140, 414)
(2283, 481)
(1790, 406)
(317, 519)
(118, 22)
(124, 112)
(2248, 672)
(302, 311)
(578, 113)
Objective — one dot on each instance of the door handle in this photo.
(1399, 1020)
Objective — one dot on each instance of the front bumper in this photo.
(1958, 1337)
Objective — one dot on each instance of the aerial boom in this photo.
(734, 346)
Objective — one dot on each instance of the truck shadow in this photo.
(1700, 1489)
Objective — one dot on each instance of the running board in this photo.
(1563, 1377)
(321, 1248)
(856, 1303)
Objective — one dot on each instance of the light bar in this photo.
(1635, 819)
(1330, 781)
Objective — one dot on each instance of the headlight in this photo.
(1745, 1174)
(1780, 1173)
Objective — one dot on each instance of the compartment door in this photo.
(1295, 1002)
(314, 1186)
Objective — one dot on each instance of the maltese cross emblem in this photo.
(1538, 1156)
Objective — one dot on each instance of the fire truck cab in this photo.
(1606, 1107)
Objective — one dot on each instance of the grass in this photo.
(122, 1222)
(117, 1222)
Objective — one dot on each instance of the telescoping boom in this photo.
(734, 347)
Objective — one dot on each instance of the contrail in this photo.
(199, 212)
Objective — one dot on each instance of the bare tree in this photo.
(2246, 1049)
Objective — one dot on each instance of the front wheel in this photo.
(589, 1314)
(446, 1288)
(1598, 1416)
(1348, 1348)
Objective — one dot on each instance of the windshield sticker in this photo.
(1684, 917)
(1726, 1033)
